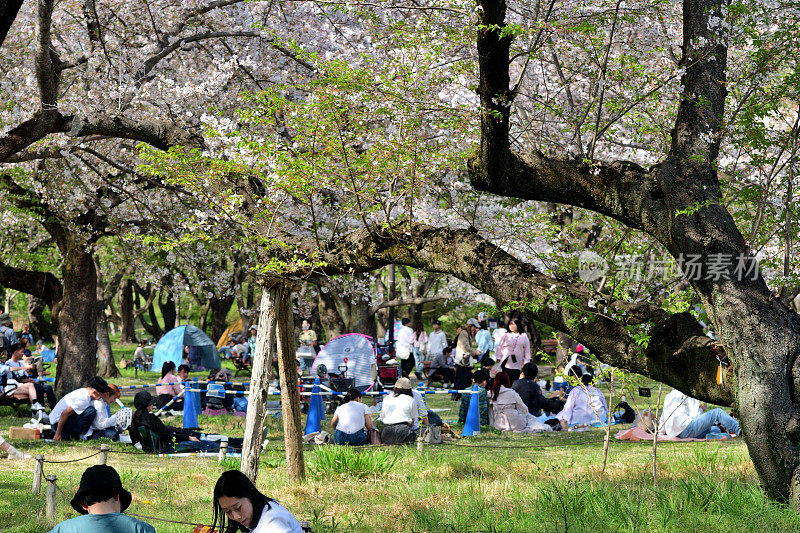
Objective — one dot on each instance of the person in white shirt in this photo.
(419, 345)
(683, 417)
(403, 345)
(239, 506)
(421, 406)
(397, 414)
(104, 424)
(437, 340)
(497, 334)
(74, 413)
(351, 421)
(585, 404)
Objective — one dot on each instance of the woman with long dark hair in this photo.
(514, 349)
(167, 386)
(507, 411)
(239, 506)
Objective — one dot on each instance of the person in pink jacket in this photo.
(514, 349)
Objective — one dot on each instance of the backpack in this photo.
(624, 413)
(240, 404)
(215, 396)
(432, 435)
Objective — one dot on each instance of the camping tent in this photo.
(236, 327)
(352, 350)
(170, 347)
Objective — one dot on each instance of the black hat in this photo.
(99, 384)
(100, 478)
(142, 399)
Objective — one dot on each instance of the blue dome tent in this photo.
(170, 347)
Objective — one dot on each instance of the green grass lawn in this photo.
(493, 483)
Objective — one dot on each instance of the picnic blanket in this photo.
(636, 434)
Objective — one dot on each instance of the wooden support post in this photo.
(290, 395)
(223, 451)
(38, 469)
(103, 454)
(51, 498)
(259, 385)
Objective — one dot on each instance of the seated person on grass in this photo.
(351, 421)
(683, 417)
(239, 506)
(167, 435)
(104, 425)
(442, 367)
(20, 391)
(481, 379)
(585, 405)
(74, 413)
(21, 371)
(168, 387)
(531, 393)
(101, 500)
(397, 414)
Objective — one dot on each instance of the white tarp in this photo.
(352, 350)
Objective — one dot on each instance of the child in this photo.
(480, 378)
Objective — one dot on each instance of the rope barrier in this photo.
(188, 382)
(167, 520)
(75, 460)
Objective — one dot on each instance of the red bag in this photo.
(374, 436)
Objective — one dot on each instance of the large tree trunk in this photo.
(362, 319)
(105, 354)
(259, 385)
(329, 316)
(127, 319)
(39, 326)
(287, 369)
(106, 367)
(219, 315)
(77, 316)
(169, 310)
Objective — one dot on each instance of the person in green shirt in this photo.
(101, 500)
(480, 378)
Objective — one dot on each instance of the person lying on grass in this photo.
(239, 506)
(101, 500)
(683, 417)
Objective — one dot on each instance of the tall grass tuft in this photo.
(346, 461)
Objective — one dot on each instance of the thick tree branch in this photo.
(8, 12)
(46, 74)
(158, 133)
(398, 302)
(678, 353)
(34, 129)
(43, 285)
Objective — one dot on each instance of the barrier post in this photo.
(51, 498)
(198, 407)
(103, 454)
(316, 410)
(223, 451)
(472, 426)
(189, 413)
(38, 470)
